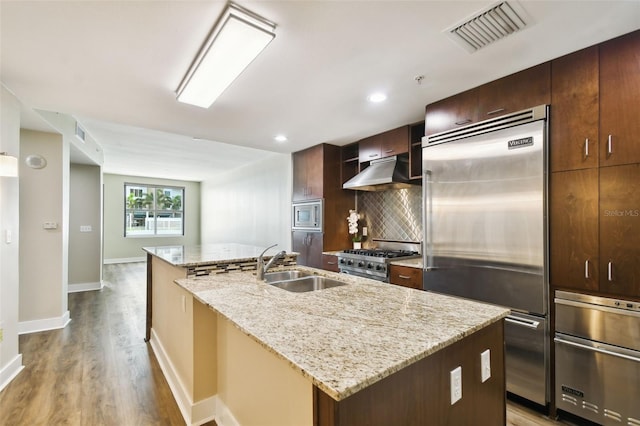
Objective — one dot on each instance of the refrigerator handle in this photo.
(523, 322)
(427, 217)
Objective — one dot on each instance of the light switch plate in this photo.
(85, 228)
(50, 225)
(456, 385)
(485, 365)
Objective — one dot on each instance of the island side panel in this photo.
(173, 321)
(256, 387)
(420, 393)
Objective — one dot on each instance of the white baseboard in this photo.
(224, 417)
(76, 288)
(124, 260)
(193, 414)
(26, 327)
(10, 371)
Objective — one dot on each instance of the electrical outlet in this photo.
(485, 365)
(456, 385)
(85, 228)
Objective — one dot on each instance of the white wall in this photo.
(85, 209)
(117, 248)
(44, 197)
(10, 359)
(250, 205)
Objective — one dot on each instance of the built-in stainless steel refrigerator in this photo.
(485, 231)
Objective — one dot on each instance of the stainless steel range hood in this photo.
(385, 173)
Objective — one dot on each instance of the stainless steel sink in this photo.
(271, 277)
(308, 283)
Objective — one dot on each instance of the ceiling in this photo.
(115, 65)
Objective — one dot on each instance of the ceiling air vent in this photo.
(80, 133)
(487, 26)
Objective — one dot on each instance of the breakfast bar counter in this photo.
(246, 352)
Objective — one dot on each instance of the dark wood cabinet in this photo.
(330, 263)
(350, 163)
(574, 260)
(515, 92)
(575, 110)
(620, 230)
(309, 245)
(405, 276)
(416, 132)
(595, 230)
(391, 142)
(449, 113)
(620, 100)
(317, 175)
(308, 179)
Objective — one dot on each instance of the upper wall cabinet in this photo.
(452, 112)
(515, 92)
(620, 100)
(391, 142)
(574, 110)
(594, 106)
(308, 177)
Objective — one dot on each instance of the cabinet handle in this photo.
(389, 150)
(495, 111)
(331, 263)
(610, 271)
(373, 155)
(404, 277)
(586, 148)
(465, 121)
(586, 268)
(609, 145)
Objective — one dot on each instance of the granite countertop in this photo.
(208, 253)
(343, 338)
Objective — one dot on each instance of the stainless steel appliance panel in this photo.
(526, 338)
(597, 352)
(485, 212)
(596, 381)
(613, 321)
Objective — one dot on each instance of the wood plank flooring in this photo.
(99, 371)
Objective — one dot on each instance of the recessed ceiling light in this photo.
(377, 97)
(280, 138)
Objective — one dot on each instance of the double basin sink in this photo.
(300, 281)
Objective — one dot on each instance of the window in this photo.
(152, 210)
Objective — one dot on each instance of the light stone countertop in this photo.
(343, 338)
(186, 256)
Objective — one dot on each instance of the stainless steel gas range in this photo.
(374, 262)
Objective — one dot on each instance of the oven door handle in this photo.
(596, 349)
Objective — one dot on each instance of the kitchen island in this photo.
(362, 353)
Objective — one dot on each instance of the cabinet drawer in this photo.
(406, 276)
(330, 263)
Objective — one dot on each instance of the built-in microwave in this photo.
(307, 215)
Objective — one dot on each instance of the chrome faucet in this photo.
(261, 268)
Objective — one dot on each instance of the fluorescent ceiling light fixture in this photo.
(377, 97)
(280, 138)
(8, 165)
(235, 41)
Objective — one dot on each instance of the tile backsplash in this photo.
(393, 214)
